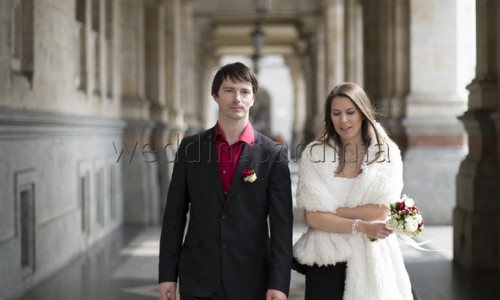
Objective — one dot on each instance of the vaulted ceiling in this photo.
(232, 23)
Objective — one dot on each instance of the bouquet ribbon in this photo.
(412, 243)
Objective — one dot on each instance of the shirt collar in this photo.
(247, 136)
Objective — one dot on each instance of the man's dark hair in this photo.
(236, 72)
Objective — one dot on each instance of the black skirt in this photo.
(327, 282)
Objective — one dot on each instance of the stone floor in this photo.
(124, 266)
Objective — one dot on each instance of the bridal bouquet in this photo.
(405, 218)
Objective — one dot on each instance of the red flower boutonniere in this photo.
(249, 175)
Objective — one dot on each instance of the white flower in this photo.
(411, 224)
(251, 178)
(419, 218)
(391, 224)
(409, 201)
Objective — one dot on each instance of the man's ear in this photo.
(216, 99)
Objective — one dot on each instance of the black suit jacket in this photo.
(244, 241)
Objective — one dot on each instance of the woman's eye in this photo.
(351, 112)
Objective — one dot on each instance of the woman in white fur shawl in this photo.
(347, 179)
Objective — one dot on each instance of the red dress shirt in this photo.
(227, 155)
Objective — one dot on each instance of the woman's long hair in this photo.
(368, 130)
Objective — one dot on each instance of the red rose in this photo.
(248, 172)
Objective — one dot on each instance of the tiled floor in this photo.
(124, 266)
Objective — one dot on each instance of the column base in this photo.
(140, 176)
(476, 240)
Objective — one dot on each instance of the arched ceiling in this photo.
(232, 23)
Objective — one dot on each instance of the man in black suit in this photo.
(235, 184)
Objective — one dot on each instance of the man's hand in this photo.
(275, 295)
(167, 290)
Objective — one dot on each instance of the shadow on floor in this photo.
(124, 266)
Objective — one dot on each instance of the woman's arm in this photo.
(369, 212)
(333, 223)
(327, 222)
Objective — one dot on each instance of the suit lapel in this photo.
(209, 161)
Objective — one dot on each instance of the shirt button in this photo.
(224, 245)
(224, 171)
(224, 216)
(225, 150)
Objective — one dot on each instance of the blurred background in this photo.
(95, 96)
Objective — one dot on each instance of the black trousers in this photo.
(220, 294)
(328, 282)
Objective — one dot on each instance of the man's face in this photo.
(234, 99)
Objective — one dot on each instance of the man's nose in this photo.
(237, 97)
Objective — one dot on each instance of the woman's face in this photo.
(347, 120)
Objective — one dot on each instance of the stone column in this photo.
(354, 42)
(313, 65)
(436, 139)
(299, 103)
(173, 69)
(155, 11)
(476, 242)
(140, 172)
(187, 48)
(334, 40)
(206, 62)
(395, 67)
(372, 40)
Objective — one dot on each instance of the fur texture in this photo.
(375, 269)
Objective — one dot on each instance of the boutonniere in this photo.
(249, 175)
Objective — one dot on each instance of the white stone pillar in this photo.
(314, 66)
(140, 175)
(321, 73)
(354, 42)
(299, 104)
(155, 59)
(155, 11)
(134, 104)
(436, 139)
(334, 40)
(476, 242)
(187, 72)
(173, 68)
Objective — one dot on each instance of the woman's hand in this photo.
(374, 229)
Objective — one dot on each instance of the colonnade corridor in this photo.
(124, 266)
